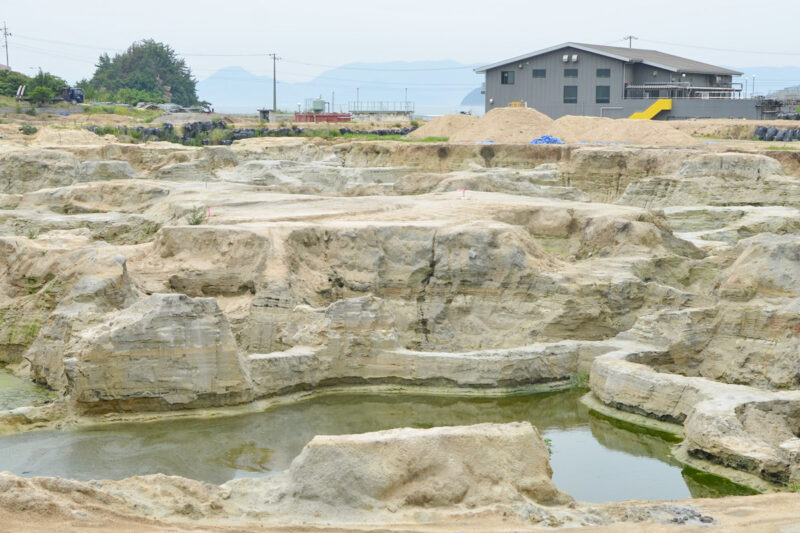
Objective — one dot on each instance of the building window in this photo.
(570, 94)
(603, 94)
(604, 73)
(539, 73)
(507, 77)
(570, 73)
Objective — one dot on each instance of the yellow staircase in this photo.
(662, 104)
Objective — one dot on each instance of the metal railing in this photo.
(726, 97)
(381, 107)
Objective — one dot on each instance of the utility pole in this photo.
(275, 59)
(6, 35)
(630, 39)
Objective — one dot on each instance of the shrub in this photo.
(133, 97)
(41, 95)
(580, 379)
(196, 216)
(27, 129)
(549, 444)
(216, 135)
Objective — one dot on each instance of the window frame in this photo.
(598, 75)
(543, 71)
(597, 99)
(565, 100)
(507, 77)
(571, 70)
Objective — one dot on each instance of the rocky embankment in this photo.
(157, 277)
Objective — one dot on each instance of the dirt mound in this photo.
(506, 125)
(53, 137)
(642, 132)
(522, 125)
(572, 128)
(576, 129)
(444, 126)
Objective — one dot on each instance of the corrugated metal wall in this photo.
(547, 95)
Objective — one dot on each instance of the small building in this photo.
(597, 80)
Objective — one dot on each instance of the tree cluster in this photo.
(41, 88)
(148, 71)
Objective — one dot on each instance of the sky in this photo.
(67, 37)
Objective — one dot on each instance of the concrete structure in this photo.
(586, 79)
(789, 93)
(322, 117)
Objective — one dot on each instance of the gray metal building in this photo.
(610, 81)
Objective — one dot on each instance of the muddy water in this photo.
(593, 459)
(16, 392)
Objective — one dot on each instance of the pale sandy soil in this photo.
(776, 513)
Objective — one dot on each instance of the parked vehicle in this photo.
(72, 94)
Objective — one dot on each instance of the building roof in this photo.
(654, 58)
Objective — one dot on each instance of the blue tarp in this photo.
(547, 139)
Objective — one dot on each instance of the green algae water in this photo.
(592, 459)
(16, 392)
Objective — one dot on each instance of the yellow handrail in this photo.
(662, 104)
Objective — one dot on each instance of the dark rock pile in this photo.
(771, 133)
(166, 131)
(196, 132)
(194, 129)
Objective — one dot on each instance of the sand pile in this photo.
(444, 126)
(522, 125)
(506, 125)
(51, 137)
(571, 128)
(576, 129)
(642, 132)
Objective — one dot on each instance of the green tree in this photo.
(10, 82)
(47, 80)
(151, 69)
(41, 95)
(133, 97)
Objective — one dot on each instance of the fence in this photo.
(381, 107)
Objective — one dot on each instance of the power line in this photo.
(630, 39)
(41, 51)
(370, 69)
(324, 78)
(223, 55)
(65, 43)
(114, 49)
(754, 52)
(321, 80)
(249, 54)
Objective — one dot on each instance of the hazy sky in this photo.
(65, 37)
